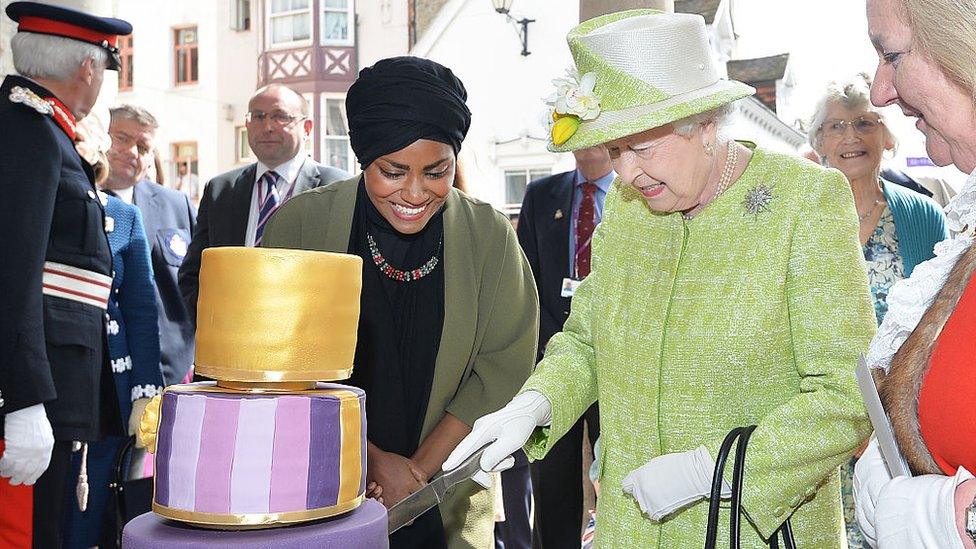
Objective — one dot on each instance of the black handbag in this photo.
(133, 497)
(740, 434)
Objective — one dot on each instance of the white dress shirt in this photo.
(125, 194)
(289, 173)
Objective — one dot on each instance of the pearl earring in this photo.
(709, 150)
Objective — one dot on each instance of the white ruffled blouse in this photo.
(910, 298)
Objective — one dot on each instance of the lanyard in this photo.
(262, 196)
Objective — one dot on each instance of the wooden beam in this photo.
(593, 8)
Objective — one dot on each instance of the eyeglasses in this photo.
(863, 125)
(122, 141)
(279, 118)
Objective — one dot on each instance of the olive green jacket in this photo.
(753, 312)
(491, 319)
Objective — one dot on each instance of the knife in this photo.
(419, 502)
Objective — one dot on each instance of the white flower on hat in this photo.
(574, 95)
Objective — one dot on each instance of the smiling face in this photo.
(131, 153)
(856, 153)
(669, 169)
(409, 186)
(910, 79)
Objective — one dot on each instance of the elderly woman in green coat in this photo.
(727, 289)
(449, 317)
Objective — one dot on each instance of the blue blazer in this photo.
(133, 330)
(919, 224)
(543, 231)
(170, 219)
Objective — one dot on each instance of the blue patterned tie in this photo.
(268, 182)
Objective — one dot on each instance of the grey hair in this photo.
(52, 57)
(854, 95)
(720, 116)
(136, 114)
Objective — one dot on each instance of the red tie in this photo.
(585, 222)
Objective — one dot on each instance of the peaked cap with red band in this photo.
(74, 24)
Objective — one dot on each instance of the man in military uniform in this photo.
(56, 267)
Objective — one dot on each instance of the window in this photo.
(240, 15)
(337, 22)
(244, 153)
(125, 72)
(289, 21)
(185, 55)
(186, 177)
(336, 151)
(517, 179)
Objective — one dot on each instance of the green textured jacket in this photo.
(491, 319)
(686, 329)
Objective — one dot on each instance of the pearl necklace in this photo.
(731, 161)
(863, 216)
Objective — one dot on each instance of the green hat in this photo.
(645, 68)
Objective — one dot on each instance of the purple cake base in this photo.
(364, 528)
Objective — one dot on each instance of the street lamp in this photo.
(503, 7)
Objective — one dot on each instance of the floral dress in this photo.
(885, 267)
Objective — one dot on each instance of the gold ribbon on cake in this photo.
(149, 424)
(251, 521)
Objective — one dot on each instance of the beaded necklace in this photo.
(399, 275)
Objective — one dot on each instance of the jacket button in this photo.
(779, 511)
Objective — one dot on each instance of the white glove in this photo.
(669, 482)
(29, 440)
(138, 407)
(506, 430)
(919, 512)
(870, 476)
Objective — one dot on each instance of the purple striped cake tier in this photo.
(235, 459)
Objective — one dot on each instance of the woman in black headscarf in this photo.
(449, 314)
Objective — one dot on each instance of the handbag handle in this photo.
(739, 436)
(117, 486)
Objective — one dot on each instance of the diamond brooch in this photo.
(757, 199)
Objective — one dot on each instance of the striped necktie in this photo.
(268, 195)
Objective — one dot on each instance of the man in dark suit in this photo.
(169, 219)
(555, 228)
(56, 385)
(236, 204)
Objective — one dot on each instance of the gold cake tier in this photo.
(272, 315)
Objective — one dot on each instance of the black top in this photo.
(400, 327)
(52, 350)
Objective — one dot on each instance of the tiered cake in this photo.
(269, 443)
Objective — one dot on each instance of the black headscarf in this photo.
(402, 99)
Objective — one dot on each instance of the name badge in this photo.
(569, 287)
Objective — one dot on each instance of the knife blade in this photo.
(419, 502)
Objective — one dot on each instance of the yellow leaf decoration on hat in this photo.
(149, 424)
(564, 128)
